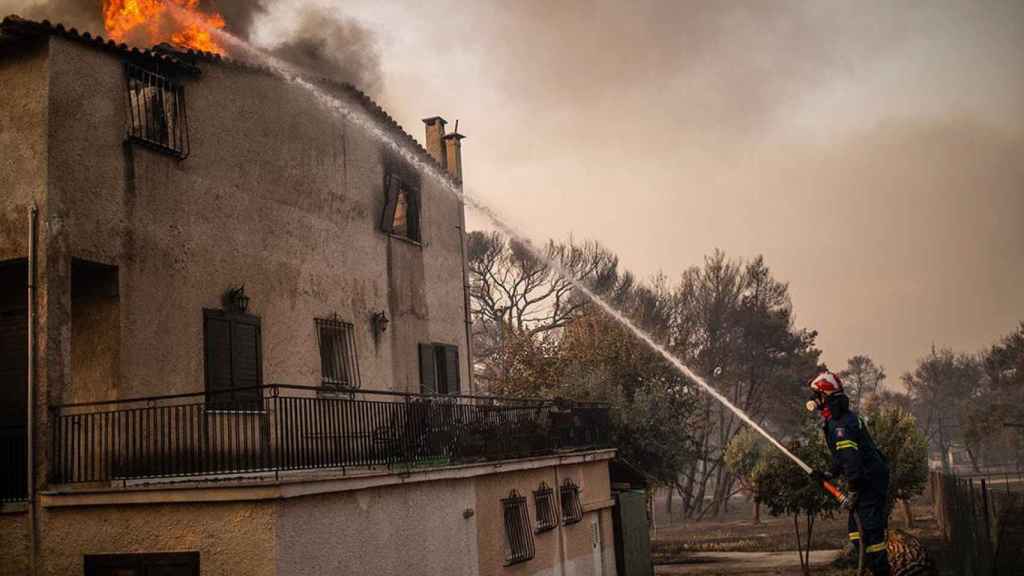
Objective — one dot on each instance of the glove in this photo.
(849, 501)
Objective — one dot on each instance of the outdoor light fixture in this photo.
(380, 322)
(237, 300)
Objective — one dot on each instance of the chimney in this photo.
(453, 145)
(435, 139)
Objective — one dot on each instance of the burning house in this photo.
(233, 338)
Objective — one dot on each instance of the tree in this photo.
(903, 444)
(940, 388)
(861, 377)
(746, 454)
(733, 322)
(787, 490)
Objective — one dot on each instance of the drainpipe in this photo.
(563, 551)
(30, 377)
(465, 297)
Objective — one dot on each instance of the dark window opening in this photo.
(439, 369)
(156, 111)
(233, 360)
(339, 363)
(402, 211)
(518, 535)
(544, 502)
(13, 379)
(572, 511)
(176, 564)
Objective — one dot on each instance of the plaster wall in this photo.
(14, 545)
(278, 195)
(231, 538)
(23, 75)
(398, 530)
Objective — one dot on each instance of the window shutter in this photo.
(217, 341)
(451, 369)
(245, 359)
(388, 220)
(428, 369)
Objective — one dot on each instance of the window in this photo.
(402, 210)
(177, 564)
(518, 536)
(544, 502)
(339, 363)
(572, 512)
(439, 369)
(156, 111)
(233, 359)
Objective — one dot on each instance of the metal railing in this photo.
(982, 521)
(13, 464)
(303, 428)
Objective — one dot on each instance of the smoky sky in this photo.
(871, 151)
(323, 42)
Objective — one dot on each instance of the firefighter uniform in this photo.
(856, 457)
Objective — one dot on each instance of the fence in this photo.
(299, 428)
(982, 521)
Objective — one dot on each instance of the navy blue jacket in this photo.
(854, 453)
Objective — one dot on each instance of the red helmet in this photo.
(823, 385)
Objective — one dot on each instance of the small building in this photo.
(234, 337)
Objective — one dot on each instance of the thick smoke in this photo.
(323, 43)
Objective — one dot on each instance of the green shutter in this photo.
(428, 369)
(217, 345)
(451, 369)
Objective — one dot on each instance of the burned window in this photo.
(439, 369)
(339, 363)
(233, 360)
(518, 536)
(544, 502)
(572, 511)
(156, 111)
(402, 210)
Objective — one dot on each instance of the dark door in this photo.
(13, 403)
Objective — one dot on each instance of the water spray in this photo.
(368, 123)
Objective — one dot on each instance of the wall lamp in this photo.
(237, 300)
(380, 322)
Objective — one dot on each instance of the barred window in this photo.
(518, 536)
(156, 111)
(572, 511)
(339, 363)
(544, 502)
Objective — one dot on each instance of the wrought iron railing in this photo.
(13, 464)
(300, 428)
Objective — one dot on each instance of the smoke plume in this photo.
(322, 42)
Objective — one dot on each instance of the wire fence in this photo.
(981, 518)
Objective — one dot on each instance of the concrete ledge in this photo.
(271, 486)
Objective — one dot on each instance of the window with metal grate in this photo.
(518, 535)
(544, 502)
(156, 111)
(339, 362)
(572, 511)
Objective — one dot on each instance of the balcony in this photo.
(289, 428)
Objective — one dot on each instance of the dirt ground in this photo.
(732, 544)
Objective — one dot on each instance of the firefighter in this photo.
(857, 459)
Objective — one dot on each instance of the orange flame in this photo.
(149, 22)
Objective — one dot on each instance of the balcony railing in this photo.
(301, 428)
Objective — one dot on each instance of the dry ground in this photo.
(768, 548)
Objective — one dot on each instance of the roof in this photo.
(14, 28)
